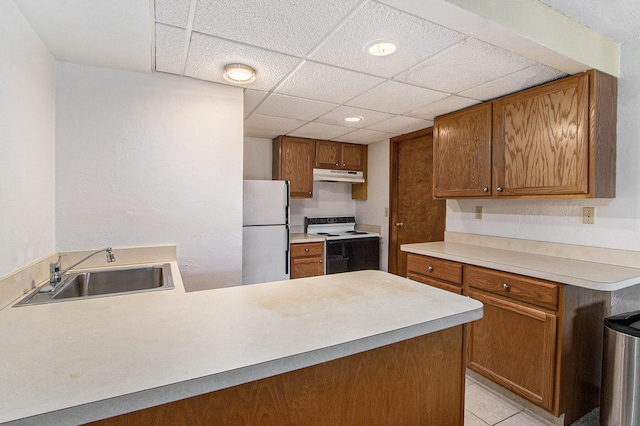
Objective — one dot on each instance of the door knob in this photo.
(399, 224)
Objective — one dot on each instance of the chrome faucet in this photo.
(55, 274)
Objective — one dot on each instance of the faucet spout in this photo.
(55, 274)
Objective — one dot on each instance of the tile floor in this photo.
(484, 407)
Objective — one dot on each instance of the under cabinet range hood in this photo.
(349, 176)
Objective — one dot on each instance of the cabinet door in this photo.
(306, 267)
(462, 153)
(515, 346)
(328, 155)
(541, 140)
(352, 156)
(295, 158)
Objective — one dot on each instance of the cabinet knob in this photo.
(320, 260)
(306, 249)
(399, 224)
(505, 286)
(344, 165)
(337, 164)
(485, 189)
(309, 192)
(499, 189)
(430, 269)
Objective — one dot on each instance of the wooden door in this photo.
(541, 140)
(293, 160)
(328, 155)
(415, 216)
(306, 267)
(462, 153)
(515, 346)
(352, 156)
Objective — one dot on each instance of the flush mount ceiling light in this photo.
(381, 48)
(239, 74)
(354, 119)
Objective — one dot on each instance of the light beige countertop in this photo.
(305, 238)
(592, 275)
(78, 361)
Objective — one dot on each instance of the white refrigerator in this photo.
(265, 231)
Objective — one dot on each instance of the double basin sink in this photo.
(105, 282)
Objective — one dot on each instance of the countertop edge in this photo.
(165, 394)
(438, 251)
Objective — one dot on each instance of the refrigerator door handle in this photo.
(287, 193)
(286, 257)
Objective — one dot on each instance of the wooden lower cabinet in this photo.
(419, 381)
(307, 260)
(515, 346)
(539, 339)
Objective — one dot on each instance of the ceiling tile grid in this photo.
(416, 40)
(291, 107)
(396, 98)
(169, 48)
(466, 65)
(287, 26)
(327, 83)
(209, 55)
(172, 12)
(313, 71)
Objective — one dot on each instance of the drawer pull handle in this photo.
(430, 269)
(485, 189)
(306, 249)
(505, 286)
(499, 189)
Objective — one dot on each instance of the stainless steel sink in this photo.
(105, 282)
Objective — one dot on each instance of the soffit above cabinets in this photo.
(310, 58)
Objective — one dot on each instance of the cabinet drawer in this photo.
(307, 249)
(435, 268)
(530, 290)
(435, 283)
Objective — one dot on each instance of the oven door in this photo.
(353, 255)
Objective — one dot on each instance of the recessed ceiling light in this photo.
(381, 48)
(239, 74)
(354, 118)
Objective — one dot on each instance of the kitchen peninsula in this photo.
(336, 349)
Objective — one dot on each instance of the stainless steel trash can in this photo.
(620, 396)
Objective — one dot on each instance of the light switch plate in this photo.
(478, 212)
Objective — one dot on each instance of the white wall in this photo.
(257, 158)
(617, 220)
(151, 159)
(372, 211)
(27, 138)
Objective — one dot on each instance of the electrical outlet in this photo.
(386, 212)
(589, 215)
(478, 212)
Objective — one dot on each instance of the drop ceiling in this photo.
(310, 58)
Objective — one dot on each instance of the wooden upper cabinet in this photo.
(293, 160)
(352, 156)
(541, 140)
(554, 140)
(339, 155)
(462, 153)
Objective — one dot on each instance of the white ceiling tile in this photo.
(416, 38)
(209, 55)
(261, 133)
(326, 83)
(169, 48)
(337, 116)
(290, 107)
(529, 77)
(289, 26)
(366, 136)
(396, 98)
(464, 66)
(276, 124)
(401, 125)
(452, 103)
(320, 131)
(252, 98)
(173, 12)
